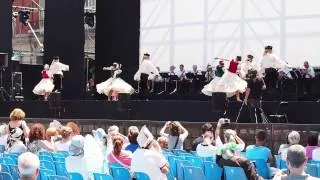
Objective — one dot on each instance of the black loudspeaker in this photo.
(219, 102)
(124, 102)
(3, 60)
(55, 100)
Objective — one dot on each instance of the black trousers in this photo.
(57, 81)
(271, 77)
(307, 83)
(144, 86)
(255, 110)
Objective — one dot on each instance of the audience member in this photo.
(226, 157)
(177, 134)
(17, 121)
(64, 143)
(3, 135)
(37, 141)
(14, 143)
(133, 132)
(205, 148)
(259, 150)
(28, 166)
(204, 128)
(149, 159)
(312, 144)
(316, 152)
(51, 136)
(296, 162)
(293, 138)
(118, 155)
(163, 142)
(76, 161)
(75, 128)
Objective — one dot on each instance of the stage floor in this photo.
(192, 111)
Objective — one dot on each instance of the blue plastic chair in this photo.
(5, 168)
(98, 176)
(195, 161)
(212, 171)
(45, 158)
(210, 159)
(14, 171)
(119, 173)
(177, 151)
(179, 167)
(232, 173)
(7, 161)
(283, 164)
(75, 176)
(262, 168)
(14, 157)
(57, 178)
(61, 169)
(64, 153)
(141, 176)
(6, 176)
(191, 173)
(170, 176)
(59, 159)
(2, 148)
(44, 173)
(278, 161)
(45, 153)
(49, 165)
(312, 169)
(172, 163)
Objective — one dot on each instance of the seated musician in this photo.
(172, 78)
(154, 78)
(183, 81)
(210, 73)
(196, 78)
(308, 74)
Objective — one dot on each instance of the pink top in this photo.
(124, 158)
(233, 67)
(309, 150)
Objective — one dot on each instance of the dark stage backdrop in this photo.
(6, 35)
(64, 37)
(117, 36)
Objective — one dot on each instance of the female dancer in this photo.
(208, 89)
(114, 85)
(45, 86)
(230, 82)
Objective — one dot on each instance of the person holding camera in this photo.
(177, 134)
(254, 94)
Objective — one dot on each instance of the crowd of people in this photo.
(140, 151)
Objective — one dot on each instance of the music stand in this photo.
(165, 76)
(174, 78)
(283, 105)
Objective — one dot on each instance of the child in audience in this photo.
(17, 121)
(118, 155)
(206, 149)
(177, 134)
(163, 142)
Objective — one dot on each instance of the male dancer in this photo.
(56, 69)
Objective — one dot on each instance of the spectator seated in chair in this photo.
(28, 166)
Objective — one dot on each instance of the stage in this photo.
(298, 112)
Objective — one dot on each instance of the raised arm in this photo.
(163, 129)
(185, 132)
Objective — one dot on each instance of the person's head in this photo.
(261, 137)
(181, 67)
(56, 58)
(15, 135)
(221, 63)
(206, 127)
(117, 142)
(229, 136)
(76, 147)
(268, 49)
(208, 137)
(172, 68)
(209, 68)
(37, 132)
(296, 158)
(238, 58)
(75, 128)
(293, 138)
(46, 67)
(146, 56)
(163, 142)
(306, 64)
(252, 73)
(17, 114)
(250, 58)
(65, 132)
(313, 139)
(133, 133)
(51, 132)
(175, 128)
(194, 68)
(113, 130)
(28, 166)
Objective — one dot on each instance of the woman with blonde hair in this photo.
(37, 140)
(17, 121)
(64, 143)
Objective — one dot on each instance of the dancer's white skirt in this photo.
(114, 84)
(229, 83)
(44, 86)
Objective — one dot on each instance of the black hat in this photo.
(55, 57)
(268, 47)
(146, 54)
(239, 58)
(250, 56)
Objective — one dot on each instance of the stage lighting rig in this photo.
(89, 18)
(24, 17)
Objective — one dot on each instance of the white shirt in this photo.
(149, 162)
(3, 140)
(147, 67)
(57, 68)
(244, 68)
(272, 61)
(17, 147)
(310, 72)
(63, 146)
(181, 74)
(206, 150)
(77, 164)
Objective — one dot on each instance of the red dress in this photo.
(44, 74)
(233, 66)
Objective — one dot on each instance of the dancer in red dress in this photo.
(45, 86)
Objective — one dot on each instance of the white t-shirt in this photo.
(147, 67)
(206, 150)
(3, 140)
(63, 146)
(17, 147)
(149, 162)
(77, 164)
